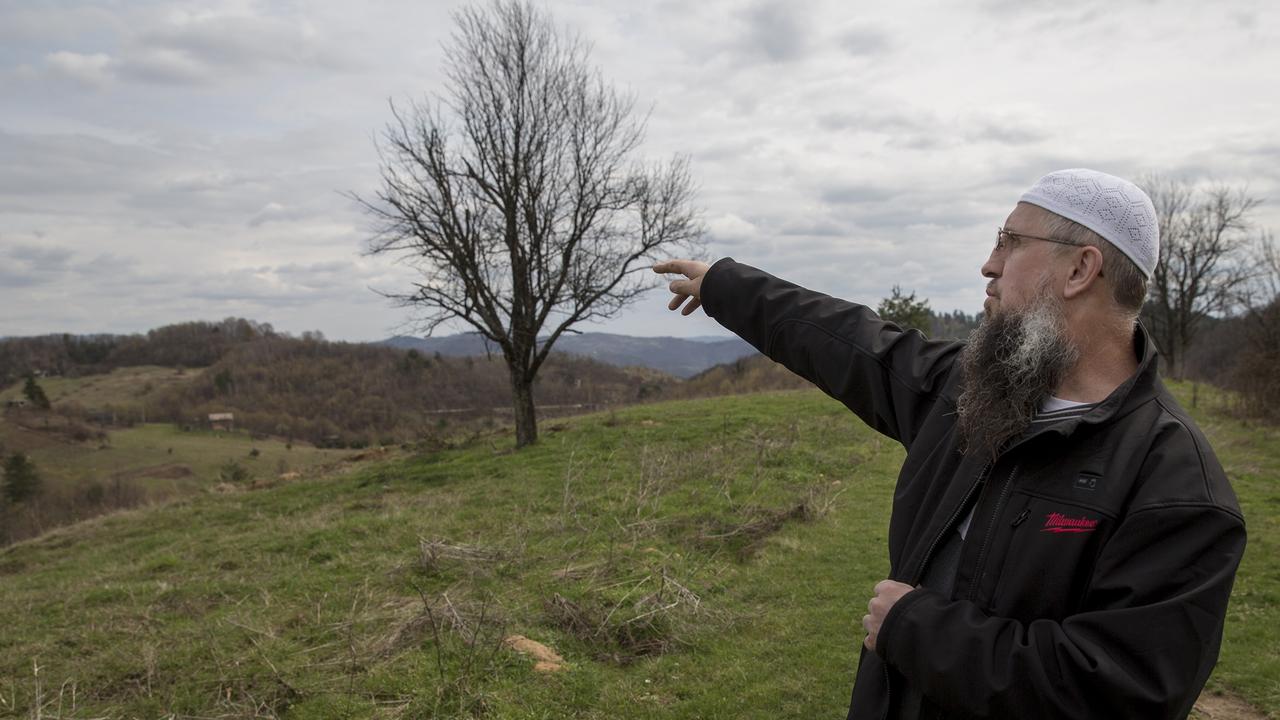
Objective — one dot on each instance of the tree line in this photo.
(188, 344)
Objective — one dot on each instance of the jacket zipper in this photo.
(888, 692)
(949, 525)
(1022, 517)
(991, 527)
(888, 682)
(950, 522)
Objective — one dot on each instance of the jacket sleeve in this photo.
(888, 377)
(1144, 647)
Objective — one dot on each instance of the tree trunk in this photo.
(522, 403)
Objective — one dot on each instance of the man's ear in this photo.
(1085, 271)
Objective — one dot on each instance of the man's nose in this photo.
(991, 268)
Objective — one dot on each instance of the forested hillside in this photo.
(190, 344)
(353, 394)
(305, 388)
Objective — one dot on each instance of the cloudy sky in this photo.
(172, 161)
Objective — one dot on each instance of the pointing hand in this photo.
(685, 289)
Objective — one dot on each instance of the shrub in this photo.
(21, 481)
(232, 471)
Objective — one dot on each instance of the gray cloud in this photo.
(249, 43)
(1005, 133)
(873, 120)
(25, 265)
(273, 212)
(167, 66)
(41, 258)
(898, 217)
(776, 31)
(865, 41)
(927, 132)
(856, 193)
(49, 166)
(200, 49)
(815, 228)
(90, 70)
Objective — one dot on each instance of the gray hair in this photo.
(1128, 284)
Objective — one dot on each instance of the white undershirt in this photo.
(1054, 404)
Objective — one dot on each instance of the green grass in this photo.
(122, 387)
(1250, 453)
(691, 528)
(161, 458)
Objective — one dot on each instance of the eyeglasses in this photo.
(1005, 239)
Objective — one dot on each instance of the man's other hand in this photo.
(887, 592)
(690, 289)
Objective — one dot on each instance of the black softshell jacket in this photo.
(1095, 573)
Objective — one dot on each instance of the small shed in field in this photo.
(222, 421)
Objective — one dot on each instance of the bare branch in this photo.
(1205, 238)
(517, 196)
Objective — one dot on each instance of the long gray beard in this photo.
(1012, 363)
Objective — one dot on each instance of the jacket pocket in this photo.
(1048, 548)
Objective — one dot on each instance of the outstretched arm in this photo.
(889, 377)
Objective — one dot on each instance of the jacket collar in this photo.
(1139, 388)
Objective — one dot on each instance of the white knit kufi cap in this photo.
(1113, 207)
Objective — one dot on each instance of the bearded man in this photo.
(1063, 541)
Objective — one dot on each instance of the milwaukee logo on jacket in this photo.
(1110, 606)
(1059, 523)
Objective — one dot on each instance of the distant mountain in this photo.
(682, 357)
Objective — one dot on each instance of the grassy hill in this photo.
(120, 467)
(124, 387)
(160, 456)
(694, 559)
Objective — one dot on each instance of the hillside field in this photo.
(161, 457)
(122, 387)
(706, 558)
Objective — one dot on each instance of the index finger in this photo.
(684, 267)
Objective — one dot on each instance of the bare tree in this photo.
(1204, 243)
(1260, 297)
(517, 197)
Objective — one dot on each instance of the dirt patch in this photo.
(1225, 706)
(546, 659)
